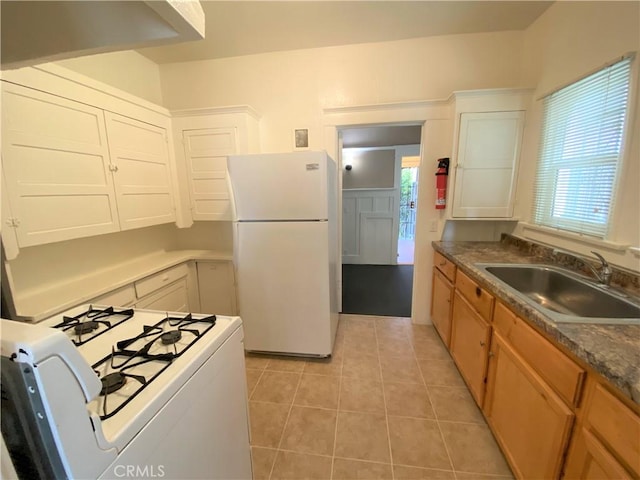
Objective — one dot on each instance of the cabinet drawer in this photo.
(444, 265)
(122, 297)
(558, 370)
(154, 282)
(617, 425)
(477, 296)
(172, 298)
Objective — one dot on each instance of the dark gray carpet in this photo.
(377, 289)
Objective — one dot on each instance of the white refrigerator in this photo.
(285, 251)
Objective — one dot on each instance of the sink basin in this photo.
(563, 295)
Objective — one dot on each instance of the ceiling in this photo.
(249, 27)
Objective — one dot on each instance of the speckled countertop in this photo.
(611, 350)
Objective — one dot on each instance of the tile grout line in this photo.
(284, 428)
(384, 399)
(435, 414)
(255, 386)
(335, 430)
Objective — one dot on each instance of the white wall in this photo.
(127, 70)
(42, 266)
(369, 168)
(568, 41)
(291, 88)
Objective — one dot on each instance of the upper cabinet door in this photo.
(488, 152)
(141, 173)
(206, 153)
(55, 158)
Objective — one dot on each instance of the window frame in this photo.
(542, 210)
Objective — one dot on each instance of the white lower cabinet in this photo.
(122, 297)
(172, 298)
(217, 288)
(177, 289)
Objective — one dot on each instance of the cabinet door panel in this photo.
(216, 286)
(588, 459)
(55, 159)
(441, 305)
(470, 345)
(142, 175)
(488, 152)
(206, 153)
(531, 423)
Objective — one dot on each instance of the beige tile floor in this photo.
(389, 404)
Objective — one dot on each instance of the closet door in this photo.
(206, 153)
(56, 164)
(141, 173)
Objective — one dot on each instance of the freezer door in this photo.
(285, 186)
(283, 286)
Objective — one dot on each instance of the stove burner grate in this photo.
(88, 323)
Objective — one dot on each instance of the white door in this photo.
(140, 164)
(283, 286)
(206, 153)
(56, 164)
(488, 153)
(287, 186)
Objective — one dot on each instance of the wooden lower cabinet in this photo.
(441, 304)
(590, 460)
(529, 420)
(606, 444)
(470, 338)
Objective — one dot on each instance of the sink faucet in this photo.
(604, 276)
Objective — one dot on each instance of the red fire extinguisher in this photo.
(441, 183)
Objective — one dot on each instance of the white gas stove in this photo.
(103, 392)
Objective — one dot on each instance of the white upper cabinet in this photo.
(488, 138)
(206, 153)
(141, 173)
(73, 167)
(208, 136)
(56, 163)
(488, 152)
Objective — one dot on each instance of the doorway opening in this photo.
(408, 209)
(379, 198)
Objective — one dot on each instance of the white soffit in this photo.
(34, 32)
(250, 27)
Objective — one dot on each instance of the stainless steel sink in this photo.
(565, 296)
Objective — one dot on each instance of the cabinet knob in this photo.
(443, 263)
(478, 291)
(490, 354)
(482, 344)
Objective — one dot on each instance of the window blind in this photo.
(581, 145)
